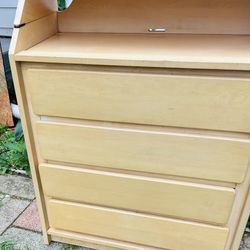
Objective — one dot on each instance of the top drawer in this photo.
(215, 103)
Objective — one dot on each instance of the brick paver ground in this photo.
(19, 221)
(29, 219)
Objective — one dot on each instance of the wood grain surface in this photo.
(192, 51)
(135, 193)
(134, 227)
(149, 151)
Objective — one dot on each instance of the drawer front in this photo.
(182, 101)
(169, 198)
(147, 151)
(136, 228)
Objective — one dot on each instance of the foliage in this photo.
(13, 153)
(68, 248)
(8, 245)
(61, 5)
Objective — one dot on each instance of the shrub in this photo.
(7, 245)
(13, 153)
(61, 5)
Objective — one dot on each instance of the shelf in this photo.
(224, 52)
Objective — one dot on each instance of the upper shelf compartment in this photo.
(176, 16)
(147, 50)
(198, 34)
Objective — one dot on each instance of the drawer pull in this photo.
(157, 30)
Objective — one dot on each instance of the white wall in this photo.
(7, 15)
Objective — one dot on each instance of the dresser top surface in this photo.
(225, 52)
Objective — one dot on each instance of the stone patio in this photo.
(19, 221)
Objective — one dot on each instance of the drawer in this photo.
(214, 103)
(169, 198)
(145, 151)
(134, 227)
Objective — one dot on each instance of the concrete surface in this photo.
(10, 209)
(24, 238)
(17, 186)
(245, 244)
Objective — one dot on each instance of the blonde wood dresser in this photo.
(137, 120)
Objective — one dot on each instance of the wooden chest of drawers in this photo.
(137, 141)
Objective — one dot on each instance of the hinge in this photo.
(17, 26)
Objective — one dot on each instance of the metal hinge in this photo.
(17, 26)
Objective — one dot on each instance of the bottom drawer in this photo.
(136, 228)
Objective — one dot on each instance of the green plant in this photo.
(67, 248)
(61, 5)
(8, 245)
(13, 153)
